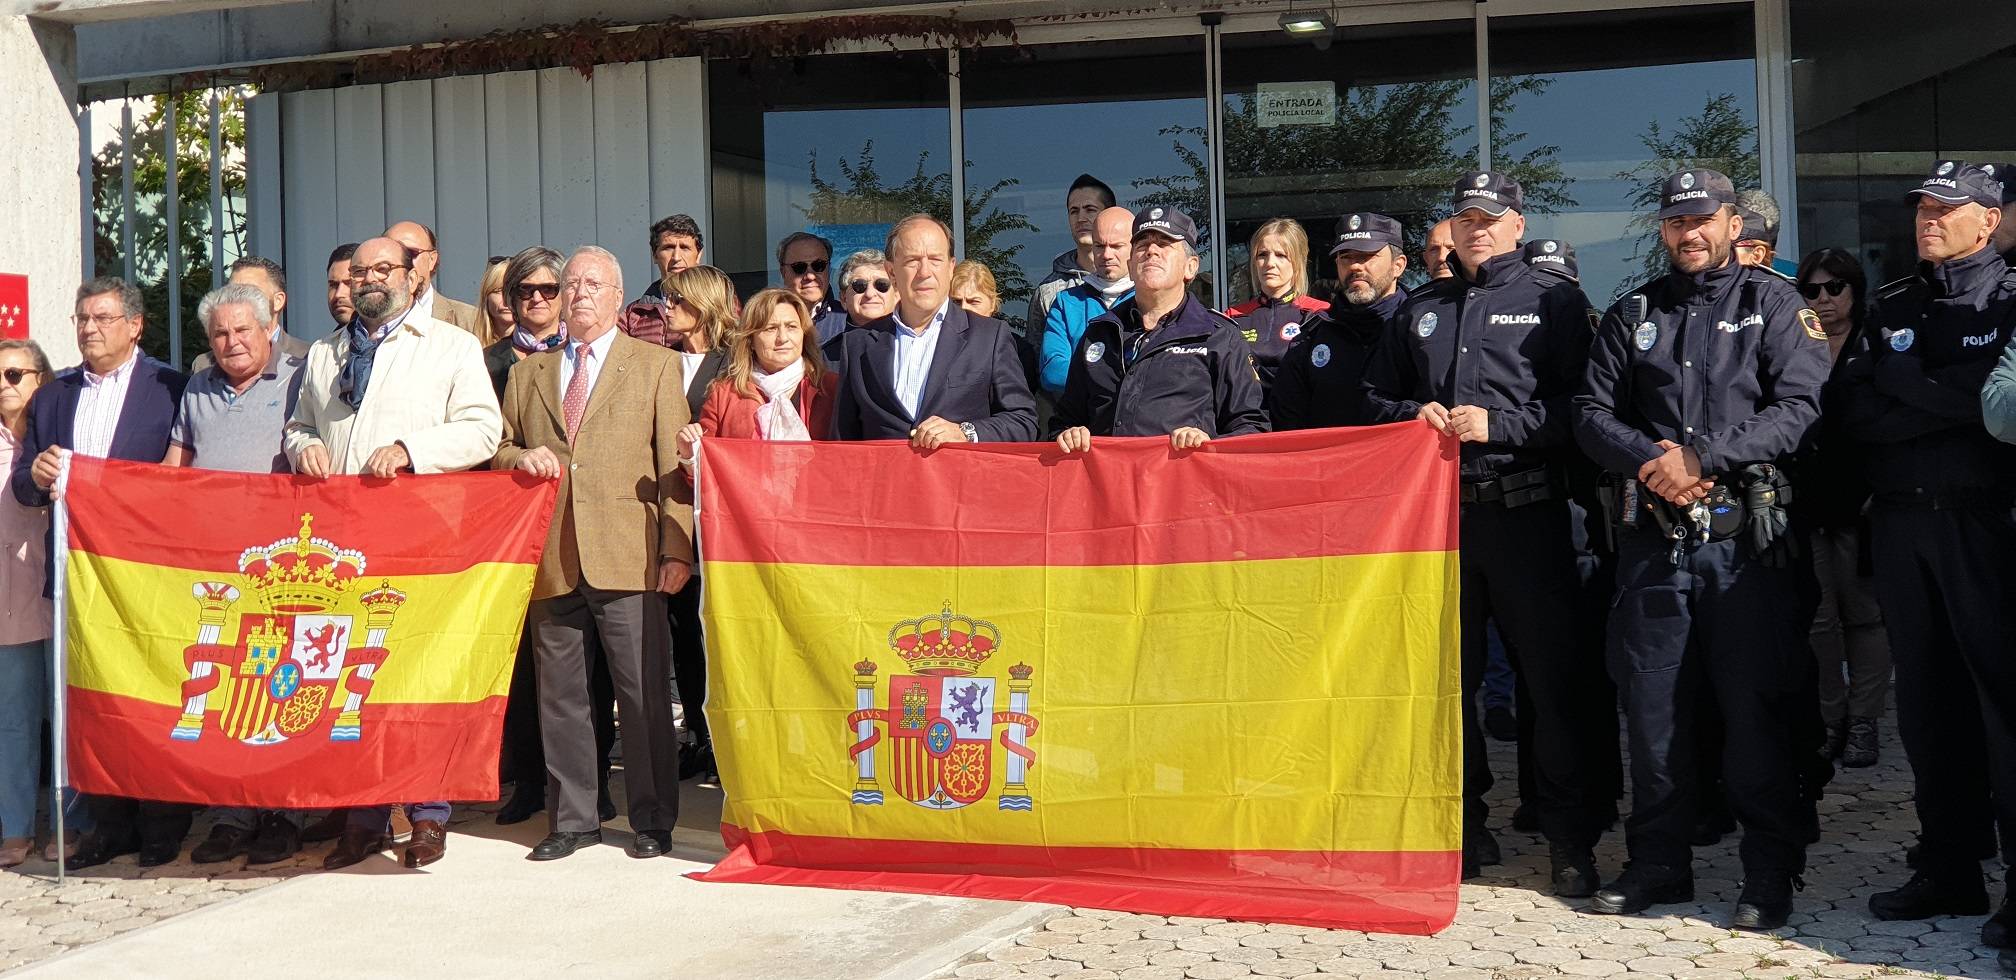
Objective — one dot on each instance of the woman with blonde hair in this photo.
(1278, 311)
(974, 290)
(493, 308)
(694, 315)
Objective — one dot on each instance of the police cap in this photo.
(1553, 255)
(1488, 191)
(1700, 191)
(1955, 182)
(1166, 221)
(1364, 231)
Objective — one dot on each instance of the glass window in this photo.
(1591, 110)
(1130, 113)
(1385, 121)
(839, 145)
(1874, 109)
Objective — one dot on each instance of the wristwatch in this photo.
(972, 435)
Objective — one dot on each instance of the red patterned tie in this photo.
(575, 404)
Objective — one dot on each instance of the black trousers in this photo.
(689, 658)
(629, 629)
(1722, 622)
(1946, 587)
(1519, 571)
(147, 821)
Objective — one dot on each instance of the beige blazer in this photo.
(462, 315)
(623, 504)
(429, 392)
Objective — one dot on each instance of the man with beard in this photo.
(1492, 356)
(393, 392)
(1322, 378)
(1699, 384)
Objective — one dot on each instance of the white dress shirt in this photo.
(569, 363)
(914, 351)
(423, 304)
(691, 364)
(98, 408)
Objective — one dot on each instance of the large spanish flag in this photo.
(274, 641)
(1218, 683)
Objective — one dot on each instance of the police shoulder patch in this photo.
(1811, 322)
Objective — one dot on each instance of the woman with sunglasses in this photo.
(866, 293)
(699, 317)
(1847, 632)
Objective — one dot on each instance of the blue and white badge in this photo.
(1290, 331)
(1320, 357)
(1094, 351)
(1645, 336)
(1901, 340)
(1426, 325)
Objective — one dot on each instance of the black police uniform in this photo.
(1942, 538)
(1730, 363)
(1512, 341)
(1321, 382)
(1270, 327)
(1192, 370)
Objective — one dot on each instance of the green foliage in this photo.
(151, 239)
(1719, 138)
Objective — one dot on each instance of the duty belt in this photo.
(1512, 489)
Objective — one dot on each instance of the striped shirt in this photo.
(98, 407)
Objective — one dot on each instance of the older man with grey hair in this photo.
(232, 416)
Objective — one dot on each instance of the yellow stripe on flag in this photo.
(1200, 706)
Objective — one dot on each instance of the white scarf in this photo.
(778, 420)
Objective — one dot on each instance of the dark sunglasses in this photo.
(1832, 287)
(14, 375)
(860, 286)
(525, 290)
(800, 268)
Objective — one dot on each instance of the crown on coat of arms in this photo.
(380, 605)
(944, 644)
(302, 573)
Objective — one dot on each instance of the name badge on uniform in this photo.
(1900, 340)
(1320, 357)
(1290, 331)
(1426, 325)
(1094, 351)
(1645, 336)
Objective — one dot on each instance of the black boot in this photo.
(1837, 736)
(1526, 819)
(2001, 927)
(1958, 892)
(1479, 849)
(1766, 901)
(527, 800)
(1574, 871)
(278, 840)
(1642, 886)
(1860, 749)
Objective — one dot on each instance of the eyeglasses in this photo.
(1832, 287)
(382, 270)
(586, 287)
(800, 268)
(545, 290)
(13, 376)
(860, 286)
(102, 320)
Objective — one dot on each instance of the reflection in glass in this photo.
(1614, 101)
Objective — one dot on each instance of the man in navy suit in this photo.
(120, 404)
(930, 372)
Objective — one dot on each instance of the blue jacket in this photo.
(976, 376)
(1192, 370)
(1065, 326)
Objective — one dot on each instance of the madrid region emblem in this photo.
(296, 660)
(941, 718)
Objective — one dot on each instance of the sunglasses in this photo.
(526, 290)
(800, 268)
(15, 375)
(860, 286)
(1832, 287)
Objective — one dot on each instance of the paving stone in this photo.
(1897, 928)
(1153, 973)
(1079, 951)
(1679, 948)
(1481, 959)
(1664, 965)
(1017, 954)
(1234, 930)
(1207, 944)
(1592, 968)
(1504, 944)
(1144, 947)
(1053, 968)
(986, 971)
(1115, 961)
(1171, 932)
(1109, 936)
(1546, 956)
(1271, 940)
(1179, 958)
(1074, 925)
(1347, 966)
(1218, 971)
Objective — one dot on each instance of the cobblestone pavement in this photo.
(1509, 927)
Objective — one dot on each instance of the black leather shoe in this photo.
(561, 843)
(1526, 819)
(1766, 901)
(525, 803)
(2001, 926)
(1574, 871)
(1709, 830)
(328, 828)
(1500, 724)
(95, 850)
(1642, 886)
(1479, 849)
(650, 843)
(1927, 895)
(278, 840)
(156, 853)
(223, 844)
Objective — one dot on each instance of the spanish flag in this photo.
(273, 641)
(1218, 683)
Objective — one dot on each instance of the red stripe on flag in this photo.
(205, 519)
(119, 746)
(885, 504)
(1388, 891)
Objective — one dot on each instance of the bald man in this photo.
(425, 252)
(1103, 286)
(1435, 254)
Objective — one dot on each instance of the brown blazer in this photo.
(623, 503)
(462, 315)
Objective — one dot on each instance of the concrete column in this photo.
(40, 174)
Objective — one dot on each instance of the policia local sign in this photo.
(1296, 103)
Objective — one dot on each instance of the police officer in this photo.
(1941, 537)
(1321, 382)
(1160, 363)
(1699, 382)
(1491, 356)
(1759, 246)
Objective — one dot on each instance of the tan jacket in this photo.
(623, 503)
(428, 392)
(462, 315)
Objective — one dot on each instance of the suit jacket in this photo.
(428, 392)
(623, 505)
(153, 395)
(497, 361)
(729, 415)
(702, 384)
(460, 314)
(288, 345)
(976, 376)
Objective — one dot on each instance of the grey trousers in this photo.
(1848, 631)
(632, 630)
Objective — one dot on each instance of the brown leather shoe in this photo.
(430, 842)
(352, 847)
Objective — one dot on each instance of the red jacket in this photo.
(729, 415)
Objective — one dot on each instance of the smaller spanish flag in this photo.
(274, 641)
